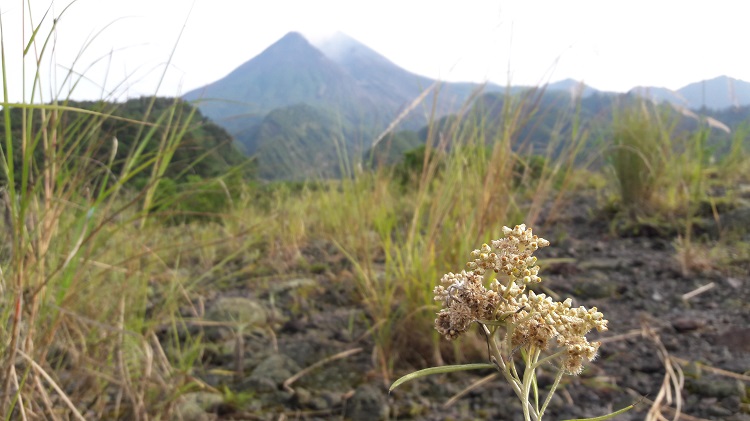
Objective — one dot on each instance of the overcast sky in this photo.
(611, 45)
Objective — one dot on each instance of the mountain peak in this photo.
(293, 43)
(292, 51)
(342, 48)
(290, 38)
(717, 93)
(576, 88)
(289, 71)
(715, 80)
(371, 69)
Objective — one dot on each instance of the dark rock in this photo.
(718, 412)
(598, 287)
(235, 313)
(684, 324)
(713, 388)
(333, 399)
(562, 268)
(660, 244)
(283, 396)
(732, 403)
(737, 339)
(319, 403)
(238, 310)
(301, 398)
(259, 385)
(294, 326)
(270, 374)
(367, 404)
(735, 283)
(194, 406)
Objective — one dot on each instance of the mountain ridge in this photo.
(289, 71)
(271, 102)
(365, 90)
(717, 93)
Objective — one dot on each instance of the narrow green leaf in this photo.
(608, 416)
(33, 34)
(439, 370)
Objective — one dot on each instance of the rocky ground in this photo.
(656, 328)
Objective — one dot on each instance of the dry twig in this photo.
(469, 388)
(288, 382)
(54, 385)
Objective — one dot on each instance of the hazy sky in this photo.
(611, 45)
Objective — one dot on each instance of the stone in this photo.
(685, 324)
(301, 397)
(242, 311)
(237, 313)
(367, 404)
(194, 406)
(270, 374)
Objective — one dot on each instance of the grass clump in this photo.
(640, 144)
(676, 175)
(662, 163)
(91, 289)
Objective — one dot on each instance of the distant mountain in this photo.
(391, 84)
(300, 141)
(288, 72)
(343, 80)
(372, 71)
(657, 94)
(575, 88)
(300, 108)
(715, 94)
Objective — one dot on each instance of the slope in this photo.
(291, 71)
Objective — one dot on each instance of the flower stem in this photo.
(511, 376)
(558, 377)
(529, 374)
(548, 358)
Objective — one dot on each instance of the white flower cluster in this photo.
(531, 320)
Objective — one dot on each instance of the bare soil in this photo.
(694, 325)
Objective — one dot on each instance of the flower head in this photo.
(532, 320)
(465, 300)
